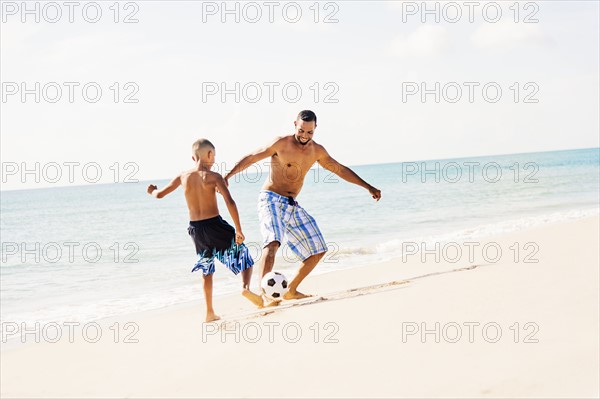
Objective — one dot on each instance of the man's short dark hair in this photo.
(307, 116)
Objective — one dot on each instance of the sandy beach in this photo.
(404, 328)
(427, 172)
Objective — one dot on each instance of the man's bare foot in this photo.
(295, 295)
(252, 297)
(212, 317)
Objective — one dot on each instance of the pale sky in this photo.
(366, 60)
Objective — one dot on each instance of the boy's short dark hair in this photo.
(200, 145)
(307, 116)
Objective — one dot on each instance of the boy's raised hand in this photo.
(375, 193)
(156, 193)
(239, 237)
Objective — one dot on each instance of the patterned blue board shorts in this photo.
(283, 219)
(215, 238)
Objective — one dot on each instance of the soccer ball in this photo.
(274, 284)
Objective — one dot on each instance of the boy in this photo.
(213, 236)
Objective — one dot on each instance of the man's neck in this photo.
(299, 144)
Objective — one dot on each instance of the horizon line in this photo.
(353, 165)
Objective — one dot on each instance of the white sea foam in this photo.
(393, 248)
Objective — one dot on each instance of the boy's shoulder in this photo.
(210, 175)
(206, 176)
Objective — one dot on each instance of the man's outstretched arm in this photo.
(346, 173)
(252, 158)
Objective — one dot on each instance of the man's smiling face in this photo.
(304, 131)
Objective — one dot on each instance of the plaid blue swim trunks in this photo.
(283, 219)
(215, 238)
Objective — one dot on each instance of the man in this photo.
(281, 218)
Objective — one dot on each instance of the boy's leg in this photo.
(246, 278)
(238, 260)
(208, 286)
(251, 296)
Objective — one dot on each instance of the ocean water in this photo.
(87, 252)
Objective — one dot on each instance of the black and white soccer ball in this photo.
(274, 284)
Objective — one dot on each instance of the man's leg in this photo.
(208, 286)
(307, 266)
(306, 240)
(267, 259)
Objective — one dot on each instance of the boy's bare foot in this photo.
(270, 302)
(252, 297)
(295, 295)
(212, 317)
